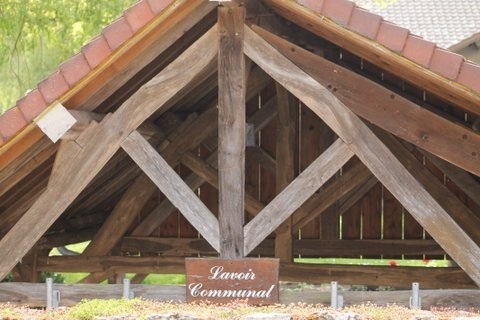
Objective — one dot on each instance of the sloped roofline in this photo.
(18, 121)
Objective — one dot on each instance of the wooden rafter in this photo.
(295, 194)
(391, 112)
(177, 191)
(370, 50)
(371, 151)
(79, 161)
(142, 189)
(259, 119)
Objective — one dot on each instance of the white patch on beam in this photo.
(55, 122)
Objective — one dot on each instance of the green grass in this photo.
(91, 309)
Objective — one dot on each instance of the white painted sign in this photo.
(55, 122)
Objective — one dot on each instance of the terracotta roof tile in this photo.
(470, 75)
(418, 50)
(444, 22)
(96, 51)
(392, 36)
(158, 6)
(398, 39)
(117, 33)
(446, 63)
(339, 11)
(11, 122)
(32, 104)
(53, 87)
(75, 68)
(138, 15)
(365, 22)
(78, 66)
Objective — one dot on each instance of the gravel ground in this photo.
(151, 310)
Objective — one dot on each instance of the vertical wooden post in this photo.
(231, 130)
(285, 170)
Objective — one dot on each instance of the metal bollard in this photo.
(336, 300)
(415, 299)
(53, 296)
(127, 294)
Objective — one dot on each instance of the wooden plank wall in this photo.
(377, 216)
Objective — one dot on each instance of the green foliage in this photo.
(165, 279)
(56, 277)
(37, 35)
(90, 309)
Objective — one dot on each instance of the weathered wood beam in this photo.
(296, 193)
(78, 162)
(231, 130)
(468, 220)
(142, 189)
(207, 171)
(371, 151)
(356, 194)
(173, 187)
(443, 87)
(149, 130)
(377, 276)
(451, 277)
(265, 160)
(287, 118)
(341, 187)
(108, 77)
(36, 156)
(259, 119)
(178, 247)
(97, 277)
(462, 179)
(405, 119)
(111, 264)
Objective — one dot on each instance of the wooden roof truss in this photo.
(336, 95)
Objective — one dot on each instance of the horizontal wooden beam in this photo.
(175, 247)
(433, 278)
(429, 278)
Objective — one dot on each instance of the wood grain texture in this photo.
(287, 118)
(173, 187)
(343, 186)
(388, 110)
(79, 161)
(377, 54)
(295, 194)
(371, 151)
(231, 130)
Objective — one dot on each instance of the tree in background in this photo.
(37, 35)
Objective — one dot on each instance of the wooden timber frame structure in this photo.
(357, 151)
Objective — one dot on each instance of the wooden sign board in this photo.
(223, 280)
